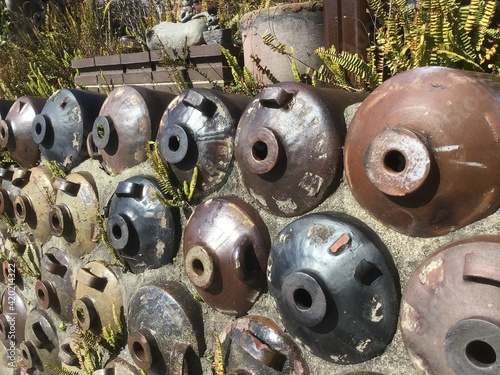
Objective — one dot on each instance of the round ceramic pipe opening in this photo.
(28, 353)
(259, 151)
(471, 346)
(305, 298)
(4, 134)
(174, 143)
(397, 162)
(302, 299)
(139, 351)
(85, 312)
(22, 208)
(481, 354)
(102, 131)
(141, 346)
(177, 144)
(55, 221)
(118, 232)
(45, 294)
(60, 220)
(39, 128)
(200, 267)
(264, 151)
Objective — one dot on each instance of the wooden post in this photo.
(346, 25)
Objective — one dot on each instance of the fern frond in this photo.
(356, 65)
(192, 185)
(484, 22)
(463, 42)
(103, 235)
(56, 169)
(6, 159)
(493, 33)
(472, 17)
(241, 76)
(236, 69)
(161, 172)
(264, 69)
(178, 197)
(60, 371)
(295, 72)
(117, 319)
(456, 57)
(331, 72)
(11, 226)
(272, 42)
(377, 7)
(218, 364)
(34, 260)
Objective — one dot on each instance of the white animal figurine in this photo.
(176, 35)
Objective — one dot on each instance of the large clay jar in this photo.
(297, 25)
(422, 151)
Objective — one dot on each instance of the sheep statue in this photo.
(188, 32)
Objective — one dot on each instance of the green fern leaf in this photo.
(263, 69)
(378, 9)
(483, 23)
(493, 33)
(295, 72)
(192, 185)
(472, 17)
(463, 43)
(456, 57)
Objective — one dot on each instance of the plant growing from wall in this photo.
(28, 260)
(175, 193)
(6, 159)
(118, 261)
(433, 32)
(218, 364)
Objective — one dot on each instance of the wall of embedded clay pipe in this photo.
(328, 232)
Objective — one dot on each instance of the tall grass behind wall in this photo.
(35, 55)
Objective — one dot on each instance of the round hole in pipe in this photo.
(259, 151)
(117, 232)
(56, 223)
(395, 161)
(480, 353)
(100, 131)
(139, 351)
(41, 294)
(19, 209)
(80, 315)
(198, 267)
(38, 128)
(174, 143)
(302, 299)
